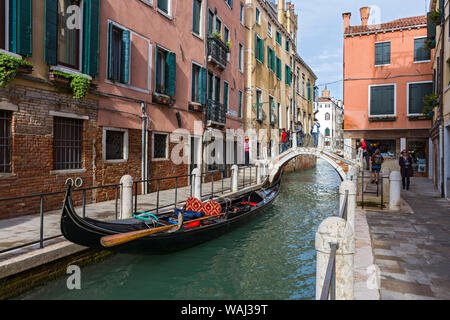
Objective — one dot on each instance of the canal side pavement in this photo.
(410, 248)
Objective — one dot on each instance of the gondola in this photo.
(236, 211)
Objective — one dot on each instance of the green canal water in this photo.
(272, 257)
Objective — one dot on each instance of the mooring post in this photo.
(197, 175)
(385, 173)
(348, 186)
(126, 197)
(395, 181)
(234, 178)
(335, 230)
(258, 173)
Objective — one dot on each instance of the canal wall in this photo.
(301, 162)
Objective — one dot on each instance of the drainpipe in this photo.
(144, 169)
(441, 112)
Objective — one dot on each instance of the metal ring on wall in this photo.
(78, 182)
(69, 181)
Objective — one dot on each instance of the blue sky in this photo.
(320, 36)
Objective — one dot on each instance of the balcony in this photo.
(215, 113)
(217, 51)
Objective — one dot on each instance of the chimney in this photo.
(325, 93)
(281, 12)
(346, 16)
(365, 14)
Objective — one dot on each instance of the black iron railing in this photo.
(216, 112)
(218, 51)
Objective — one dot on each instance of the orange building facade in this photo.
(387, 73)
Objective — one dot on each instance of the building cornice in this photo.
(376, 31)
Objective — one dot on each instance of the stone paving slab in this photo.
(412, 247)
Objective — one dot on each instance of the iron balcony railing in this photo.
(218, 51)
(216, 112)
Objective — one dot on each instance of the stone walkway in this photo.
(412, 247)
(21, 230)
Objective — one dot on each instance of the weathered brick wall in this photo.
(301, 162)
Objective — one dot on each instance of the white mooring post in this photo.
(385, 173)
(258, 172)
(197, 183)
(234, 178)
(395, 180)
(126, 197)
(336, 230)
(349, 186)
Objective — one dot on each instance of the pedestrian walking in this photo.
(377, 161)
(365, 153)
(290, 137)
(315, 132)
(300, 134)
(247, 151)
(284, 141)
(406, 169)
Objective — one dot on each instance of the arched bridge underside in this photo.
(340, 164)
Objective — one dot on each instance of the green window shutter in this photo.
(382, 100)
(110, 36)
(309, 91)
(240, 104)
(382, 53)
(20, 27)
(261, 50)
(268, 59)
(417, 92)
(125, 57)
(202, 86)
(272, 57)
(420, 54)
(51, 32)
(91, 29)
(225, 96)
(256, 46)
(170, 73)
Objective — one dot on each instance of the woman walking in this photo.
(405, 162)
(377, 161)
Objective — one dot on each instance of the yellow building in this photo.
(269, 59)
(438, 38)
(304, 84)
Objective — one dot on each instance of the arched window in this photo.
(327, 116)
(327, 132)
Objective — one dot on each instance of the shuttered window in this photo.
(163, 5)
(417, 93)
(67, 143)
(19, 25)
(240, 104)
(420, 53)
(119, 54)
(278, 36)
(257, 16)
(259, 48)
(196, 16)
(278, 68)
(382, 100)
(165, 72)
(382, 53)
(308, 86)
(3, 28)
(198, 84)
(5, 141)
(287, 75)
(225, 96)
(287, 45)
(241, 57)
(270, 58)
(62, 42)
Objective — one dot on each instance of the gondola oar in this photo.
(114, 240)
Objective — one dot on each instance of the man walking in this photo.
(299, 134)
(365, 153)
(284, 140)
(315, 132)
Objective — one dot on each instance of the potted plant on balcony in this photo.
(79, 84)
(228, 44)
(217, 34)
(10, 66)
(430, 44)
(435, 17)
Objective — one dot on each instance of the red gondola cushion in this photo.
(193, 224)
(212, 208)
(193, 204)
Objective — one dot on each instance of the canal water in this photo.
(272, 257)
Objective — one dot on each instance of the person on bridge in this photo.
(315, 132)
(377, 161)
(284, 141)
(365, 152)
(300, 134)
(406, 169)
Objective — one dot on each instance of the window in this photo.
(116, 142)
(240, 104)
(272, 110)
(241, 58)
(3, 28)
(269, 29)
(258, 16)
(196, 17)
(119, 54)
(287, 45)
(229, 3)
(327, 116)
(218, 26)
(420, 53)
(164, 6)
(258, 105)
(382, 100)
(278, 68)
(270, 59)
(327, 131)
(210, 22)
(213, 87)
(226, 39)
(198, 93)
(416, 94)
(5, 141)
(67, 143)
(382, 53)
(165, 72)
(303, 84)
(287, 75)
(241, 13)
(259, 48)
(225, 96)
(278, 38)
(160, 148)
(68, 38)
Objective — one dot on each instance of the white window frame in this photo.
(227, 2)
(226, 40)
(269, 29)
(200, 35)
(241, 13)
(374, 49)
(192, 75)
(241, 57)
(395, 101)
(153, 146)
(422, 61)
(148, 2)
(7, 31)
(407, 97)
(158, 46)
(258, 21)
(169, 9)
(125, 145)
(256, 48)
(228, 95)
(256, 101)
(216, 17)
